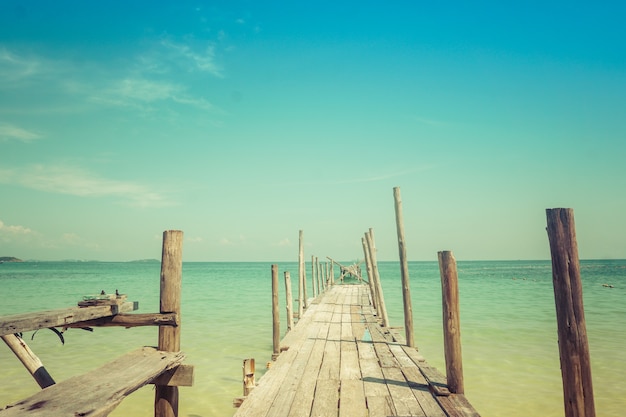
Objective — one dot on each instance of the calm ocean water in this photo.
(510, 351)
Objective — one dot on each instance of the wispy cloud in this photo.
(14, 67)
(284, 242)
(143, 93)
(11, 132)
(79, 182)
(193, 59)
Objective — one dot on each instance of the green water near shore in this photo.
(510, 348)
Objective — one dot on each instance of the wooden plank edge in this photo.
(179, 376)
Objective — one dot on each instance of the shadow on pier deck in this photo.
(339, 361)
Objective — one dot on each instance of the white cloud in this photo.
(284, 242)
(14, 67)
(11, 132)
(144, 90)
(79, 182)
(142, 93)
(11, 231)
(196, 60)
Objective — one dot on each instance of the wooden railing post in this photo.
(275, 314)
(166, 397)
(570, 314)
(301, 277)
(382, 309)
(370, 274)
(313, 274)
(451, 322)
(404, 269)
(289, 301)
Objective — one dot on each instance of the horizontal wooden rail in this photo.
(131, 320)
(59, 318)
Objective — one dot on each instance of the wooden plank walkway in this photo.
(339, 361)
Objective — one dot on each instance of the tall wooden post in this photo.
(275, 313)
(451, 322)
(301, 277)
(318, 276)
(382, 309)
(166, 397)
(313, 274)
(370, 274)
(289, 301)
(404, 269)
(570, 314)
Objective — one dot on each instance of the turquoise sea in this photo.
(509, 336)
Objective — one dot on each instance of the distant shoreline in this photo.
(9, 259)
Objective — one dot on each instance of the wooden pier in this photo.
(340, 361)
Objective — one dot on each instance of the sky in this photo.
(243, 122)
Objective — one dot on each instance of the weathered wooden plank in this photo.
(98, 392)
(456, 405)
(421, 391)
(380, 406)
(401, 394)
(349, 361)
(26, 322)
(326, 402)
(282, 403)
(352, 399)
(303, 400)
(358, 325)
(436, 380)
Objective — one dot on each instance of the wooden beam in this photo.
(131, 320)
(26, 322)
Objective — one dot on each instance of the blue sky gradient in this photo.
(242, 122)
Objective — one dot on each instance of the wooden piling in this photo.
(404, 269)
(368, 268)
(570, 314)
(289, 301)
(301, 276)
(166, 397)
(451, 322)
(382, 309)
(30, 361)
(313, 275)
(248, 376)
(275, 313)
